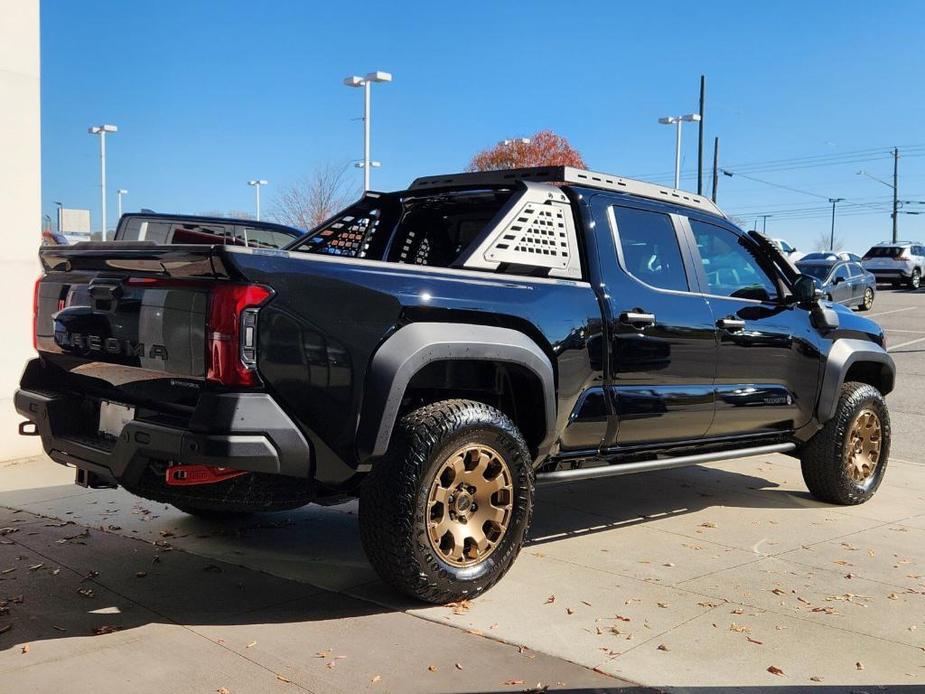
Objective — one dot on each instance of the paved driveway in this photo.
(727, 575)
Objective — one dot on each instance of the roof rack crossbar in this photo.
(568, 174)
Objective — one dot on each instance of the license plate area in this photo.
(113, 418)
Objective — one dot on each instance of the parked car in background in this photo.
(832, 256)
(842, 281)
(898, 263)
(790, 251)
(191, 229)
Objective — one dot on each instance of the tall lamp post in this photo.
(834, 202)
(257, 182)
(366, 82)
(101, 130)
(677, 121)
(119, 194)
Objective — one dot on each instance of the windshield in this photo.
(819, 271)
(884, 252)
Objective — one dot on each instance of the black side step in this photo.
(560, 476)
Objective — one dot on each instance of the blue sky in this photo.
(210, 94)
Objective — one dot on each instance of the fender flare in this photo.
(414, 346)
(842, 356)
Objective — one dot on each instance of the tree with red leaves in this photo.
(545, 148)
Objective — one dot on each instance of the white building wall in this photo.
(20, 206)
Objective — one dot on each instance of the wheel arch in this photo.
(418, 349)
(853, 360)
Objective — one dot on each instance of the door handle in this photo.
(731, 324)
(637, 319)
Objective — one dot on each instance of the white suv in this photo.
(900, 262)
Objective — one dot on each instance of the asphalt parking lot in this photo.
(721, 576)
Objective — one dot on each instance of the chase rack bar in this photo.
(568, 174)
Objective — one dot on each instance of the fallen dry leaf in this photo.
(513, 683)
(223, 690)
(283, 679)
(859, 665)
(740, 628)
(460, 606)
(251, 644)
(569, 610)
(663, 647)
(105, 629)
(778, 591)
(663, 605)
(738, 610)
(774, 670)
(751, 640)
(551, 599)
(375, 679)
(432, 668)
(458, 666)
(815, 678)
(708, 524)
(25, 649)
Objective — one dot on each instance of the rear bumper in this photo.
(888, 275)
(243, 431)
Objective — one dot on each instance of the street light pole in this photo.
(101, 130)
(257, 183)
(834, 202)
(119, 194)
(895, 194)
(677, 121)
(366, 83)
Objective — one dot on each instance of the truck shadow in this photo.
(116, 563)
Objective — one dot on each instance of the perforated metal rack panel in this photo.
(536, 230)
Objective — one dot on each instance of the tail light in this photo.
(231, 333)
(35, 315)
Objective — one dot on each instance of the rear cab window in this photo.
(415, 228)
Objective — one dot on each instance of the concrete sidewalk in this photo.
(713, 579)
(97, 612)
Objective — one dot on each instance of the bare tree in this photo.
(822, 242)
(310, 200)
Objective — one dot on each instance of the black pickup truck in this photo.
(439, 351)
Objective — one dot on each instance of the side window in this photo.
(650, 248)
(730, 265)
(841, 273)
(262, 238)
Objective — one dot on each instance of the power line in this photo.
(727, 172)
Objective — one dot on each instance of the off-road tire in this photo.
(823, 458)
(238, 496)
(868, 301)
(394, 498)
(916, 279)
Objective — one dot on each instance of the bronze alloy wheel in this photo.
(469, 505)
(862, 446)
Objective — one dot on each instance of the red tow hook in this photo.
(187, 475)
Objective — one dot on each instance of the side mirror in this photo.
(806, 291)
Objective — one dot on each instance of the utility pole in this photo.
(895, 194)
(834, 202)
(715, 166)
(703, 85)
(764, 222)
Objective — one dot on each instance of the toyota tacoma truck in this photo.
(439, 351)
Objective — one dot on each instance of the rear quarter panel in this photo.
(318, 334)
